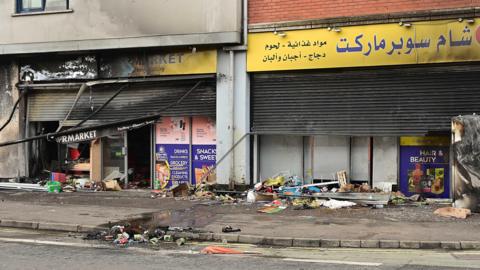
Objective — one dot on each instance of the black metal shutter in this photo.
(381, 101)
(138, 99)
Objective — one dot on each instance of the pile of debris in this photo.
(127, 235)
(332, 194)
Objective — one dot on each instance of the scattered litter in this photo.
(181, 241)
(334, 204)
(115, 175)
(68, 188)
(181, 190)
(262, 197)
(461, 213)
(271, 209)
(415, 198)
(22, 186)
(275, 182)
(398, 198)
(112, 185)
(306, 203)
(126, 235)
(346, 188)
(219, 250)
(229, 229)
(251, 196)
(226, 198)
(167, 238)
(54, 187)
(385, 186)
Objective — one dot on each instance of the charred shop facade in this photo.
(136, 98)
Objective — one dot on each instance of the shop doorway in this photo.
(139, 157)
(45, 155)
(113, 156)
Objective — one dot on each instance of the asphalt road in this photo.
(23, 249)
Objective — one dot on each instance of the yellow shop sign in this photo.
(159, 63)
(371, 45)
(184, 63)
(424, 141)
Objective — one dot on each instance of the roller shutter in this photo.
(383, 101)
(138, 99)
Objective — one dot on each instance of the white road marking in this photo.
(50, 243)
(333, 262)
(84, 245)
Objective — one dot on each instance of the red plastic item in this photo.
(74, 153)
(59, 177)
(219, 250)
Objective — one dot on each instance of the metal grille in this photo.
(135, 101)
(382, 101)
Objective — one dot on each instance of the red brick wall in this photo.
(266, 11)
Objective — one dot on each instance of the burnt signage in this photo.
(77, 137)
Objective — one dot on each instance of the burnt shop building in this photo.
(114, 103)
(373, 100)
(130, 93)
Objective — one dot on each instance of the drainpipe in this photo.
(232, 121)
(245, 23)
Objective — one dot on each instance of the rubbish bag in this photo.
(334, 204)
(275, 182)
(251, 196)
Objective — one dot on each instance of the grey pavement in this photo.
(360, 225)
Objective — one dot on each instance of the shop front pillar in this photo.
(12, 158)
(233, 121)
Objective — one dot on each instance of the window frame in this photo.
(19, 9)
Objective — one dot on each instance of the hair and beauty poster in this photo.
(424, 166)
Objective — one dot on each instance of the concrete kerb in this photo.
(261, 240)
(369, 243)
(350, 243)
(430, 244)
(58, 227)
(50, 226)
(306, 242)
(19, 224)
(251, 239)
(389, 244)
(330, 243)
(470, 244)
(410, 244)
(279, 241)
(452, 245)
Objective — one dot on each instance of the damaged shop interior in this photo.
(93, 160)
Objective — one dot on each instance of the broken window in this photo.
(25, 6)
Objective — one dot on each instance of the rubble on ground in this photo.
(461, 213)
(274, 194)
(127, 235)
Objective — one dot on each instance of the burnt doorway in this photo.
(139, 157)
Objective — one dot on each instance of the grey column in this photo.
(233, 121)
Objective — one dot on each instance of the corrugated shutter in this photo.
(381, 101)
(138, 99)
